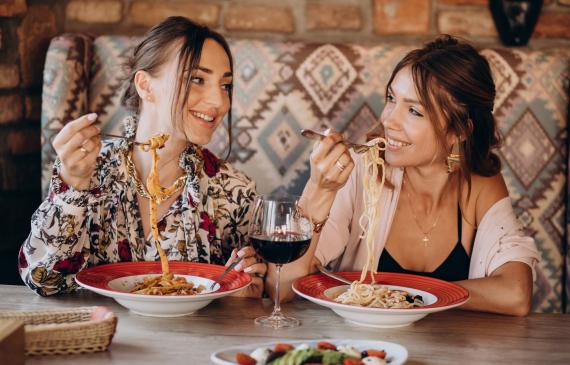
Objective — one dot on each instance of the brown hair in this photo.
(154, 50)
(454, 81)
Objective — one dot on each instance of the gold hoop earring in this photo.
(453, 159)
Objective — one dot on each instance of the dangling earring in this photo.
(453, 159)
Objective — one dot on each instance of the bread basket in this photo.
(65, 331)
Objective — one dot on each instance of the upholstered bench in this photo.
(281, 87)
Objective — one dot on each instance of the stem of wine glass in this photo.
(277, 305)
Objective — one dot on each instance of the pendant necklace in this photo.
(425, 233)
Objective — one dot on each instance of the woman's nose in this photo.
(215, 96)
(389, 118)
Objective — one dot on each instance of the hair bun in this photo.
(442, 42)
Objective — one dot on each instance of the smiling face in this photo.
(411, 136)
(208, 100)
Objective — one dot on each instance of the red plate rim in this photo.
(100, 276)
(448, 294)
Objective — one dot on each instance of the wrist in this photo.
(316, 202)
(77, 183)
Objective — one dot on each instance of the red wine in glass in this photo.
(281, 248)
(280, 235)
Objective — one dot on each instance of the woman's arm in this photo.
(239, 193)
(508, 288)
(316, 202)
(58, 244)
(507, 291)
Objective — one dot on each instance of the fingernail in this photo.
(237, 267)
(240, 253)
(91, 117)
(248, 269)
(327, 131)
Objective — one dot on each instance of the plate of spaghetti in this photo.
(144, 289)
(394, 300)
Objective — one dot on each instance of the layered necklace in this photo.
(141, 188)
(425, 233)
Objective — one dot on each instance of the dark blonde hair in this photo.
(451, 77)
(153, 52)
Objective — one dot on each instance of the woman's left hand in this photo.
(253, 267)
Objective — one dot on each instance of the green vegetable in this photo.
(297, 357)
(333, 357)
(294, 357)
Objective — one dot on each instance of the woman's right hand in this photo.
(77, 145)
(331, 163)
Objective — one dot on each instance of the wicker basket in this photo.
(64, 331)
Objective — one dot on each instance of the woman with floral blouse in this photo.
(97, 210)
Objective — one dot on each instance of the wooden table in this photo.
(451, 337)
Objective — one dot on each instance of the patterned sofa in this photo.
(282, 87)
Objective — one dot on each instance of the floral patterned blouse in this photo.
(75, 229)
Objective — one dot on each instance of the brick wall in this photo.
(27, 26)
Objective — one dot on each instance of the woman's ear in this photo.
(143, 85)
(452, 138)
(460, 136)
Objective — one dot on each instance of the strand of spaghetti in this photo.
(371, 196)
(359, 293)
(157, 193)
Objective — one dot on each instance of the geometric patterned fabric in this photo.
(281, 87)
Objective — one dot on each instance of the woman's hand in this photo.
(253, 267)
(77, 145)
(331, 166)
(331, 163)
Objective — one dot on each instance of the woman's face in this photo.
(208, 100)
(410, 135)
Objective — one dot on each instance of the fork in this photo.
(109, 135)
(218, 280)
(328, 273)
(358, 148)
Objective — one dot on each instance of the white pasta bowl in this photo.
(438, 295)
(117, 280)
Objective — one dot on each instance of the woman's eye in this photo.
(416, 113)
(390, 98)
(228, 87)
(197, 80)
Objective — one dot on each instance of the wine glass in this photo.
(280, 235)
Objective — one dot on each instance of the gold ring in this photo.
(84, 150)
(339, 165)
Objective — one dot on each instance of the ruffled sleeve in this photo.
(58, 244)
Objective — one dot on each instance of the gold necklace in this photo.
(426, 234)
(140, 188)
